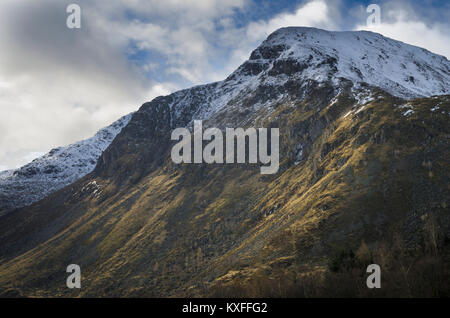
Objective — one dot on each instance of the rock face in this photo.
(53, 171)
(363, 153)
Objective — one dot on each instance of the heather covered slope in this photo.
(179, 231)
(358, 163)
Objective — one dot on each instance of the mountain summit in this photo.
(362, 57)
(363, 177)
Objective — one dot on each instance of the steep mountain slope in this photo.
(53, 171)
(357, 162)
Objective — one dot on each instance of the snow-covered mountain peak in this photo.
(293, 60)
(360, 56)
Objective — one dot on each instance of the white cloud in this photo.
(57, 85)
(184, 32)
(316, 13)
(400, 23)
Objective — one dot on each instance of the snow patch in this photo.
(408, 113)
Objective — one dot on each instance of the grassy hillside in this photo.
(371, 185)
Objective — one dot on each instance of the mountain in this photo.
(361, 57)
(363, 178)
(53, 171)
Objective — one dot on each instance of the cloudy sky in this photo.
(60, 85)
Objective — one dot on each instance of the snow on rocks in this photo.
(56, 169)
(363, 57)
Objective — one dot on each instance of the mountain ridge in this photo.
(358, 164)
(287, 48)
(56, 169)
